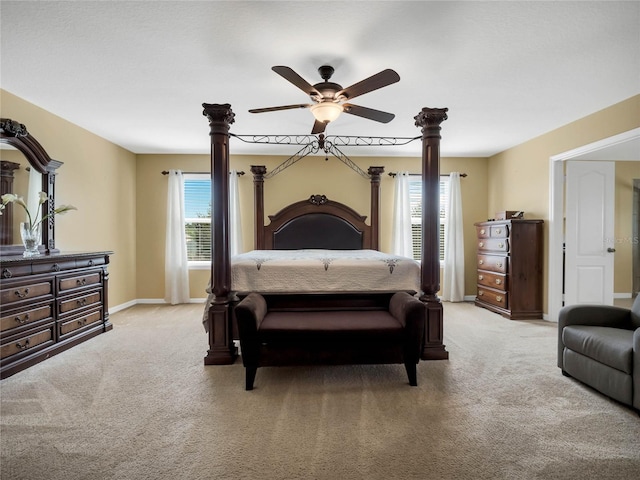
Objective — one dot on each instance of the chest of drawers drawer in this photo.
(495, 280)
(494, 244)
(14, 292)
(494, 297)
(27, 342)
(69, 306)
(71, 326)
(25, 317)
(87, 280)
(493, 263)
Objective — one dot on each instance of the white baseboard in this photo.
(148, 301)
(622, 295)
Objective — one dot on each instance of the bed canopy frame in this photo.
(219, 323)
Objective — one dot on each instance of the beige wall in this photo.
(519, 176)
(97, 177)
(121, 197)
(311, 175)
(626, 172)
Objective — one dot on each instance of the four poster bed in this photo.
(320, 254)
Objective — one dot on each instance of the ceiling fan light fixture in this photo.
(326, 112)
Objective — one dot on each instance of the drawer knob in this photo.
(500, 245)
(498, 281)
(23, 346)
(480, 293)
(91, 263)
(482, 231)
(498, 231)
(22, 320)
(499, 264)
(6, 273)
(82, 302)
(480, 277)
(82, 322)
(23, 293)
(55, 267)
(81, 281)
(498, 298)
(480, 262)
(481, 244)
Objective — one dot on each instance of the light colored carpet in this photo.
(138, 403)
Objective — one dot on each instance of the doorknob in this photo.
(611, 250)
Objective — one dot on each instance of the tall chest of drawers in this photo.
(50, 303)
(510, 267)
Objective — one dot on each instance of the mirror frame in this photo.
(16, 134)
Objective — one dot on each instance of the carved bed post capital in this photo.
(429, 118)
(220, 116)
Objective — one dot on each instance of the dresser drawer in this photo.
(25, 291)
(81, 321)
(494, 244)
(79, 281)
(493, 263)
(91, 262)
(24, 317)
(492, 231)
(495, 280)
(53, 267)
(494, 297)
(27, 342)
(68, 305)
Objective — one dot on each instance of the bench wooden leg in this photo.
(410, 367)
(250, 377)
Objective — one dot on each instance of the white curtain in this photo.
(235, 227)
(176, 270)
(401, 243)
(453, 275)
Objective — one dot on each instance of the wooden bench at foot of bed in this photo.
(273, 336)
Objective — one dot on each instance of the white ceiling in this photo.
(137, 73)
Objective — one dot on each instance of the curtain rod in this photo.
(393, 174)
(166, 172)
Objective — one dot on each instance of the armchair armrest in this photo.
(249, 314)
(411, 312)
(594, 315)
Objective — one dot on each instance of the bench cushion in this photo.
(609, 346)
(335, 325)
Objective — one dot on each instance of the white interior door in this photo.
(589, 234)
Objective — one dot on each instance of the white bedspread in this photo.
(318, 271)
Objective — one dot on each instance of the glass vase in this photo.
(30, 239)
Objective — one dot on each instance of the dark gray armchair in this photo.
(600, 346)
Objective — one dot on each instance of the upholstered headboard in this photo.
(317, 223)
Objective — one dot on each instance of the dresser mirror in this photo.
(24, 166)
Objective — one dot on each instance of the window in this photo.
(415, 201)
(197, 216)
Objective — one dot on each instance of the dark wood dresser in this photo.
(510, 267)
(48, 304)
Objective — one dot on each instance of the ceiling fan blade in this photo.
(370, 113)
(274, 109)
(318, 127)
(288, 74)
(379, 80)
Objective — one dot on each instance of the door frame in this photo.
(556, 213)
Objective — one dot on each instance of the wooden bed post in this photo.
(258, 204)
(221, 348)
(374, 173)
(429, 119)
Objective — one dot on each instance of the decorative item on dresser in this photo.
(510, 267)
(48, 304)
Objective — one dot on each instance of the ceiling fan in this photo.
(330, 99)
